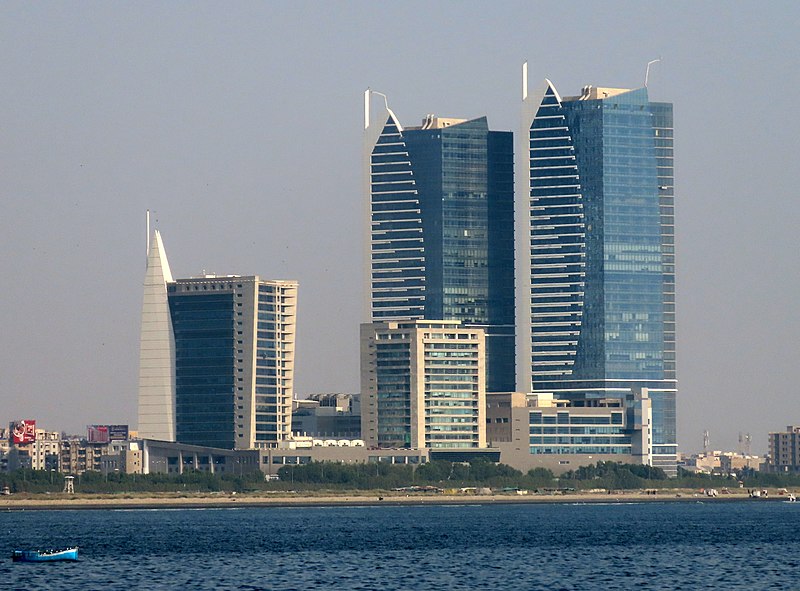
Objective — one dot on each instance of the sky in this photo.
(239, 125)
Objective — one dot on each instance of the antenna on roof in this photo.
(524, 80)
(647, 73)
(385, 98)
(147, 243)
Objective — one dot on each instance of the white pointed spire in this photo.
(156, 350)
(157, 252)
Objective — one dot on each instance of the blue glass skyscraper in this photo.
(441, 230)
(596, 265)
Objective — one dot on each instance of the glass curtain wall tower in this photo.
(234, 360)
(596, 265)
(440, 211)
(216, 357)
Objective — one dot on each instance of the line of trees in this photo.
(384, 476)
(40, 481)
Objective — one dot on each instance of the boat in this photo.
(70, 554)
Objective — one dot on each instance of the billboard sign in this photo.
(106, 433)
(118, 432)
(23, 432)
(97, 434)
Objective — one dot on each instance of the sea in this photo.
(687, 545)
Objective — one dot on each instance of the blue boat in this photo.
(70, 554)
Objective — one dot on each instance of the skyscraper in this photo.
(596, 268)
(440, 213)
(217, 358)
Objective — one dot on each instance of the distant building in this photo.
(45, 450)
(217, 358)
(596, 252)
(784, 450)
(123, 457)
(77, 456)
(721, 462)
(422, 385)
(173, 458)
(328, 416)
(5, 446)
(539, 430)
(440, 228)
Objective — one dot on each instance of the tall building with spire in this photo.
(156, 350)
(596, 255)
(217, 358)
(440, 227)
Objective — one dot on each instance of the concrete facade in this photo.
(45, 450)
(156, 349)
(784, 450)
(423, 385)
(541, 431)
(335, 415)
(254, 379)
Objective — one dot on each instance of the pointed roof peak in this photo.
(157, 257)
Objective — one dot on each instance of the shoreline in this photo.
(128, 501)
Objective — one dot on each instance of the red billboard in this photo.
(97, 433)
(23, 432)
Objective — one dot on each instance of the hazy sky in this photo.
(240, 126)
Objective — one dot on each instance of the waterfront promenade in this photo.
(350, 498)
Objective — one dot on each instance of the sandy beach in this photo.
(352, 498)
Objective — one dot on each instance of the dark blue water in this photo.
(738, 545)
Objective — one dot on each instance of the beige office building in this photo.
(423, 385)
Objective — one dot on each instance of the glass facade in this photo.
(274, 369)
(452, 389)
(205, 383)
(397, 249)
(425, 385)
(602, 306)
(393, 377)
(569, 432)
(234, 360)
(442, 242)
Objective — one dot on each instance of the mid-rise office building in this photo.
(423, 385)
(217, 365)
(440, 217)
(596, 271)
(784, 450)
(234, 360)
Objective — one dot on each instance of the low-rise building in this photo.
(77, 456)
(122, 456)
(45, 450)
(328, 416)
(721, 462)
(540, 430)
